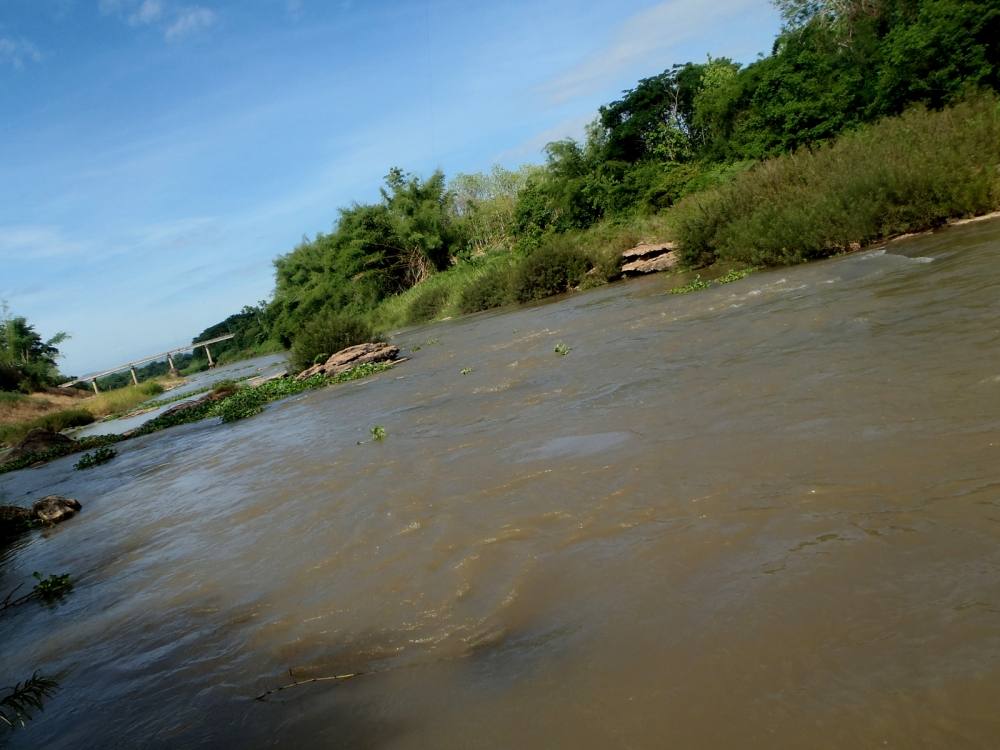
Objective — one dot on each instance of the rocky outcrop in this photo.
(352, 356)
(49, 510)
(39, 440)
(649, 258)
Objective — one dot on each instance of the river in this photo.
(763, 515)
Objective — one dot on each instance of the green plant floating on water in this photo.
(100, 456)
(17, 704)
(466, 371)
(694, 285)
(378, 433)
(735, 275)
(51, 588)
(561, 349)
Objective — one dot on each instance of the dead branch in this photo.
(297, 683)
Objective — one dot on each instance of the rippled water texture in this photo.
(763, 515)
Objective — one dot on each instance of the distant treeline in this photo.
(695, 129)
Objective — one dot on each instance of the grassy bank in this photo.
(902, 174)
(559, 263)
(19, 414)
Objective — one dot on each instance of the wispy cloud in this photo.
(149, 12)
(177, 22)
(294, 8)
(31, 242)
(644, 37)
(18, 51)
(190, 21)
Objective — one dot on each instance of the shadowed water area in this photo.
(762, 515)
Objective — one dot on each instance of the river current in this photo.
(763, 515)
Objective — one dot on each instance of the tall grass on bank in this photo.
(899, 175)
(55, 421)
(105, 404)
(121, 399)
(560, 262)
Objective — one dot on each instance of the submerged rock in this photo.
(49, 510)
(39, 440)
(352, 356)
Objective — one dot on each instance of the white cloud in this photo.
(175, 21)
(31, 242)
(294, 8)
(17, 52)
(147, 13)
(643, 39)
(189, 21)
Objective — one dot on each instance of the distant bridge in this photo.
(92, 379)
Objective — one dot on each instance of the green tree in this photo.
(27, 360)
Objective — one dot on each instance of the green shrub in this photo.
(327, 334)
(899, 175)
(427, 303)
(491, 288)
(552, 269)
(150, 388)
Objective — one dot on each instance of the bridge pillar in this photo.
(211, 362)
(135, 379)
(173, 367)
(94, 383)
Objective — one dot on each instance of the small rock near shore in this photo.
(49, 510)
(39, 440)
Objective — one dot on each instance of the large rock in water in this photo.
(50, 509)
(352, 356)
(39, 440)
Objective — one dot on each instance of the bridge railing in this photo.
(169, 355)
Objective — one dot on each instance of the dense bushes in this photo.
(327, 334)
(427, 303)
(552, 269)
(491, 289)
(899, 175)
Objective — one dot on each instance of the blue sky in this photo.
(156, 155)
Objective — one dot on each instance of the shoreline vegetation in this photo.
(869, 119)
(226, 400)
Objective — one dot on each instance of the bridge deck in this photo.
(153, 358)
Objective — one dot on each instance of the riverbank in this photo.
(893, 178)
(228, 400)
(61, 409)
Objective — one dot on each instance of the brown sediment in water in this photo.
(762, 515)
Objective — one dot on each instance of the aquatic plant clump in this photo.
(100, 456)
(694, 285)
(83, 444)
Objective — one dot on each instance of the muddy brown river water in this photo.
(765, 515)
